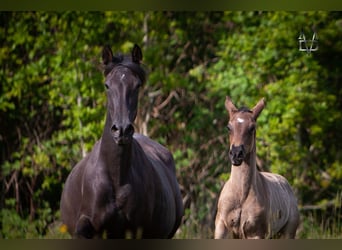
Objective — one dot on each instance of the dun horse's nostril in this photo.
(237, 152)
(231, 154)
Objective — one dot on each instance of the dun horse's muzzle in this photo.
(237, 155)
(122, 134)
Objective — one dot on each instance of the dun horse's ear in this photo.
(136, 54)
(258, 108)
(107, 55)
(230, 106)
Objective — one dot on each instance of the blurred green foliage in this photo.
(52, 103)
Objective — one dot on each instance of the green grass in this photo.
(323, 222)
(320, 223)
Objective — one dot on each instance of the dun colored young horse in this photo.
(252, 204)
(126, 186)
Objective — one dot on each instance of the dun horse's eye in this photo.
(252, 129)
(229, 128)
(106, 85)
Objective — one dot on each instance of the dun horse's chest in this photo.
(244, 218)
(233, 220)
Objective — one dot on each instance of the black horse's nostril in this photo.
(116, 129)
(129, 130)
(120, 131)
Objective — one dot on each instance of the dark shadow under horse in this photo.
(126, 186)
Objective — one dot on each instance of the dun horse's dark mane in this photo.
(125, 61)
(244, 109)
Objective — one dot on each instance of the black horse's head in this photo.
(124, 76)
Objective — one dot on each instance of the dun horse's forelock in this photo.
(256, 110)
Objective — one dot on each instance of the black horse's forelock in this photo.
(125, 61)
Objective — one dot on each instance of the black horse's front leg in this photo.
(84, 228)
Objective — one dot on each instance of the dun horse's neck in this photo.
(117, 159)
(244, 177)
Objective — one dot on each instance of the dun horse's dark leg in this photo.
(288, 231)
(84, 228)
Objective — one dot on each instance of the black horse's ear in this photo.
(107, 55)
(136, 54)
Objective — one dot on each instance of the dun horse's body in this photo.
(126, 186)
(252, 204)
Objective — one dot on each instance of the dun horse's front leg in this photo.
(251, 229)
(221, 231)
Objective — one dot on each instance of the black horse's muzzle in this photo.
(122, 134)
(237, 155)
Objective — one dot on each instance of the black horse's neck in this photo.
(117, 157)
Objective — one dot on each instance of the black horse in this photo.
(126, 186)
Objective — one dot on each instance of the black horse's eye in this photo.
(139, 84)
(106, 85)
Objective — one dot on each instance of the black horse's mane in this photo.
(125, 61)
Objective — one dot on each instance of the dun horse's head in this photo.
(241, 127)
(124, 76)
